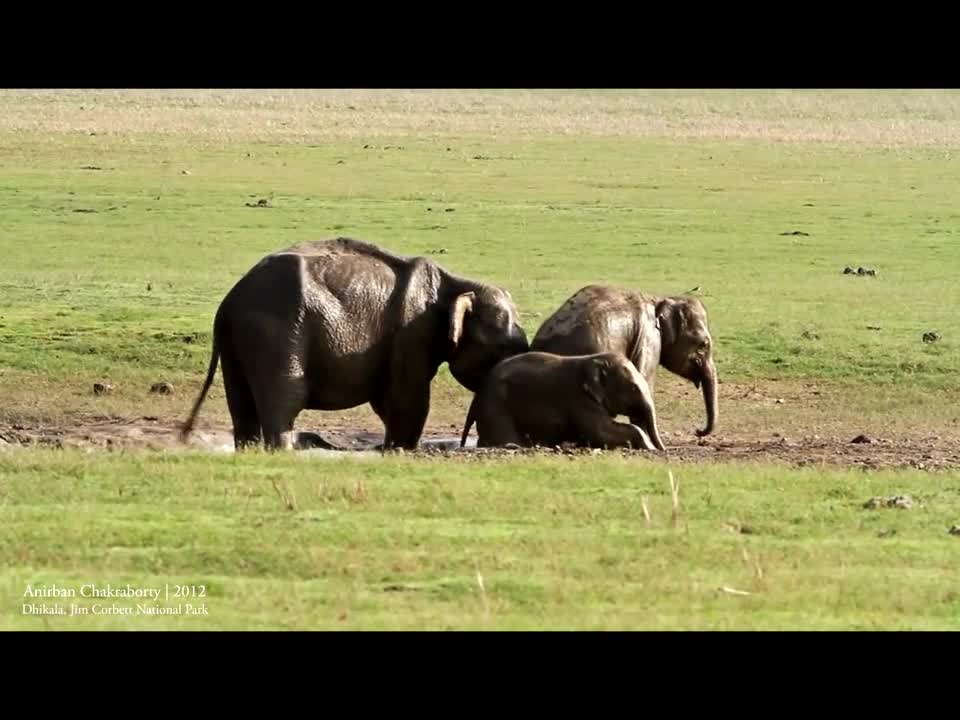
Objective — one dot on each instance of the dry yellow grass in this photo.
(875, 117)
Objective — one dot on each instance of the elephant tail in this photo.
(471, 417)
(187, 426)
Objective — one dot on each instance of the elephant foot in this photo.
(395, 448)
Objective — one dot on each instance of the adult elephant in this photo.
(649, 330)
(334, 324)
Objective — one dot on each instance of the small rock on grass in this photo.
(862, 439)
(162, 388)
(902, 502)
(862, 271)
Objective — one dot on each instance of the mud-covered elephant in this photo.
(544, 399)
(649, 330)
(334, 324)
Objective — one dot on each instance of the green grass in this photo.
(399, 543)
(540, 217)
(542, 194)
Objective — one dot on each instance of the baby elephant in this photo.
(539, 398)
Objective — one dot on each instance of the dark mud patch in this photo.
(111, 433)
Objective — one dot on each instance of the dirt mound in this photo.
(111, 433)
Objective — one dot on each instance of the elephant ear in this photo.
(461, 306)
(594, 380)
(667, 318)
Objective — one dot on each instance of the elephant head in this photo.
(616, 384)
(483, 330)
(687, 349)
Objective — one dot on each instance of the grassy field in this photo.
(127, 216)
(551, 543)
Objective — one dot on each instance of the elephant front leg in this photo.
(405, 415)
(406, 402)
(648, 425)
(379, 406)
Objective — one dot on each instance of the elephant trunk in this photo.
(709, 385)
(518, 343)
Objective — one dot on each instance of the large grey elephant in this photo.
(334, 324)
(649, 330)
(544, 399)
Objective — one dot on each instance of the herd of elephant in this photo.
(334, 324)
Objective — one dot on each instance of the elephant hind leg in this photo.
(241, 404)
(498, 430)
(278, 404)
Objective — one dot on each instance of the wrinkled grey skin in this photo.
(544, 399)
(334, 324)
(649, 330)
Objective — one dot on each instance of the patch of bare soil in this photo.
(921, 453)
(112, 433)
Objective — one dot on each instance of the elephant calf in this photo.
(544, 399)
